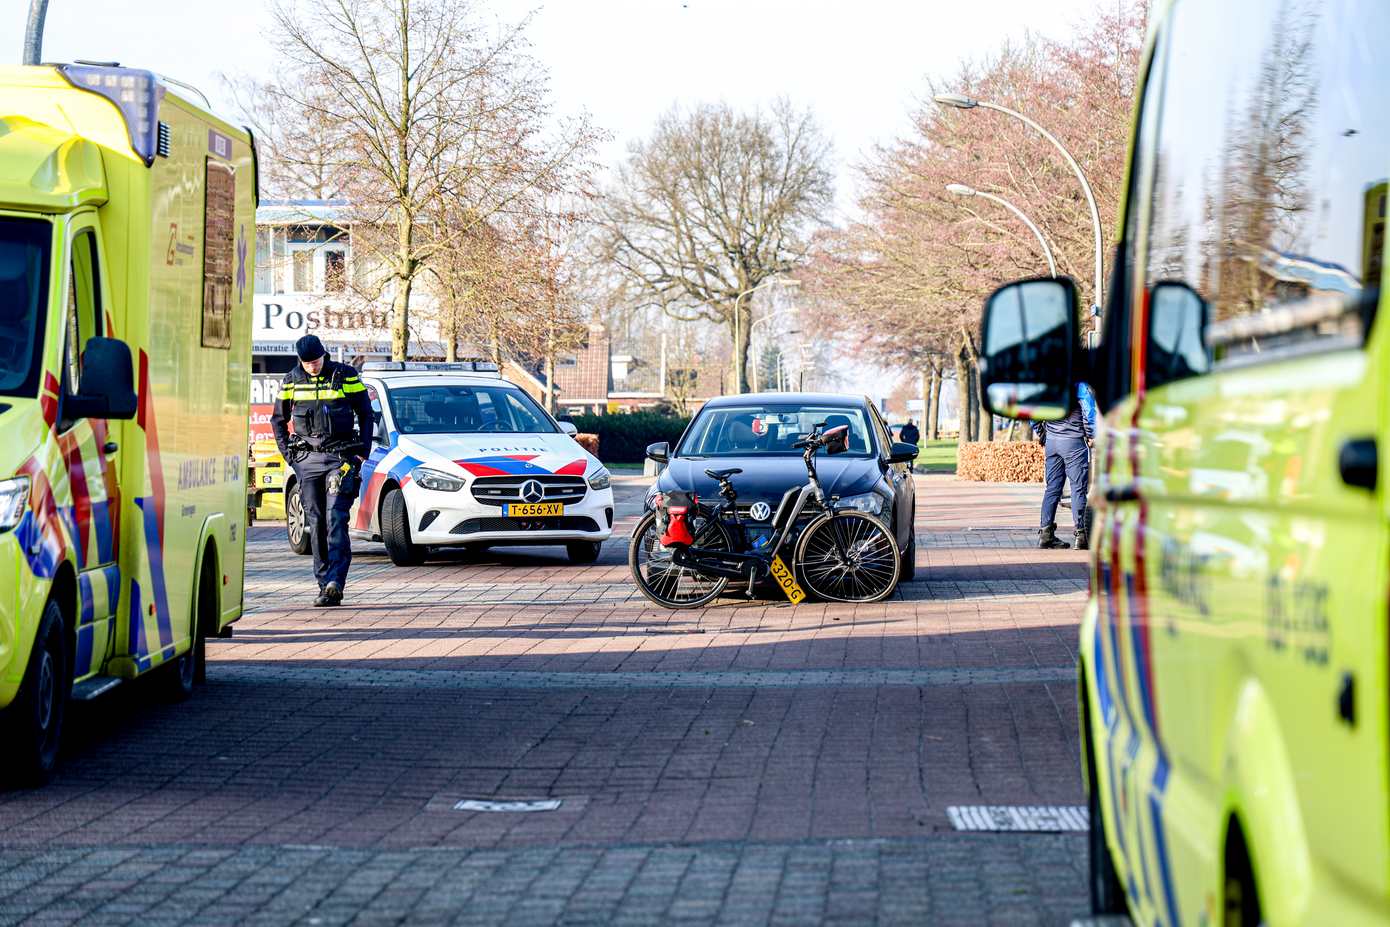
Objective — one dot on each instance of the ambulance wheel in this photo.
(178, 676)
(296, 527)
(1107, 894)
(34, 721)
(395, 531)
(583, 551)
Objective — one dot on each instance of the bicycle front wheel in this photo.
(662, 581)
(848, 557)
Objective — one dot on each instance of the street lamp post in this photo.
(33, 32)
(739, 359)
(960, 189)
(752, 333)
(961, 101)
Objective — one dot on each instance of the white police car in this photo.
(461, 457)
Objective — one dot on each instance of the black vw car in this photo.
(755, 433)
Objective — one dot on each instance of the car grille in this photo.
(554, 523)
(499, 490)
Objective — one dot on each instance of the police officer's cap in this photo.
(309, 348)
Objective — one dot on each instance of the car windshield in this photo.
(24, 245)
(457, 409)
(744, 431)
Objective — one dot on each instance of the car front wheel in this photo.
(296, 525)
(584, 551)
(395, 531)
(34, 721)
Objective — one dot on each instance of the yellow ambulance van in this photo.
(127, 217)
(1233, 673)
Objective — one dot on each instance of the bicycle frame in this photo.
(748, 565)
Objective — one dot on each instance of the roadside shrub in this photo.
(1000, 462)
(624, 436)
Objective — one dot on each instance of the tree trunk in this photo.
(928, 383)
(742, 321)
(986, 420)
(405, 220)
(963, 398)
(933, 410)
(451, 334)
(550, 369)
(400, 319)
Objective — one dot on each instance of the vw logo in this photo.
(531, 491)
(760, 511)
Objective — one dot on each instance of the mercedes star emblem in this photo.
(759, 511)
(531, 491)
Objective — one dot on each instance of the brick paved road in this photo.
(746, 763)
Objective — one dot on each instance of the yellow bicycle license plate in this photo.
(532, 509)
(787, 581)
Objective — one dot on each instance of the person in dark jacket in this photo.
(328, 405)
(910, 434)
(1067, 446)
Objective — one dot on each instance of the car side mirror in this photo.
(1177, 325)
(902, 452)
(379, 429)
(107, 387)
(568, 428)
(1029, 343)
(660, 451)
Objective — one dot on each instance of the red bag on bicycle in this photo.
(673, 511)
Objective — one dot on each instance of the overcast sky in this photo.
(860, 64)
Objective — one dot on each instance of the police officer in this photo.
(332, 417)
(1067, 457)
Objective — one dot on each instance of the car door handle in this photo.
(110, 447)
(1126, 493)
(1357, 462)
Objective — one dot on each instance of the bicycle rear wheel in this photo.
(662, 581)
(848, 557)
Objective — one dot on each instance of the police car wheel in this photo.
(295, 524)
(34, 721)
(583, 551)
(395, 531)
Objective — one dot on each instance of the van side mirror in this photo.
(660, 451)
(1029, 343)
(379, 429)
(568, 428)
(107, 387)
(1177, 325)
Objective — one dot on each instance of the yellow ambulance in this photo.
(1233, 672)
(127, 221)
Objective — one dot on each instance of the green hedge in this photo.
(623, 437)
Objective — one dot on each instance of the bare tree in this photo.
(712, 205)
(419, 104)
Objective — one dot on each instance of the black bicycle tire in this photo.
(825, 518)
(719, 586)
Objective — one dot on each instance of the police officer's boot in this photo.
(333, 593)
(1048, 540)
(1082, 541)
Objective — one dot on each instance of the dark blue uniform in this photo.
(329, 411)
(1068, 458)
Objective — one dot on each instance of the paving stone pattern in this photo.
(749, 762)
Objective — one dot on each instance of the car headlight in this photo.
(14, 501)
(870, 502)
(600, 479)
(434, 479)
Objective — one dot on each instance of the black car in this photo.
(755, 433)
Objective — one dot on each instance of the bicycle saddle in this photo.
(722, 475)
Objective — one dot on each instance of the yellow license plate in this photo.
(787, 581)
(532, 509)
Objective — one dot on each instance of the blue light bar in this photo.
(135, 93)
